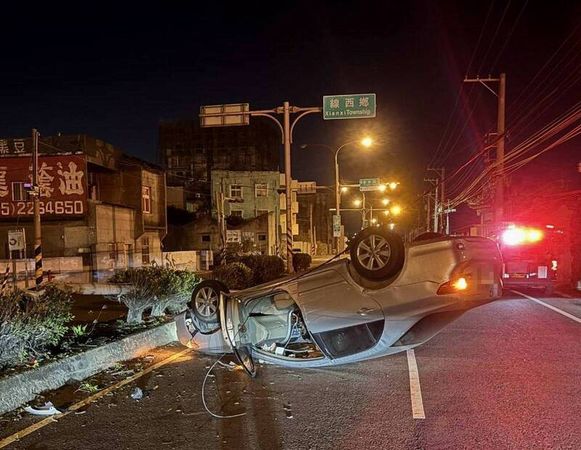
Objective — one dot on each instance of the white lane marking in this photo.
(415, 389)
(566, 314)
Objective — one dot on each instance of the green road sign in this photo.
(352, 106)
(369, 184)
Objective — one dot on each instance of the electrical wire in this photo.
(276, 285)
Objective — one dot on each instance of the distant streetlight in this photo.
(357, 203)
(393, 185)
(396, 210)
(373, 221)
(344, 189)
(385, 201)
(382, 188)
(365, 142)
(386, 213)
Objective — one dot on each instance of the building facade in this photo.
(190, 153)
(95, 202)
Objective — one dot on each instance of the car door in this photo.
(342, 319)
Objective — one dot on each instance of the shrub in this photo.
(30, 326)
(234, 275)
(301, 261)
(155, 287)
(265, 268)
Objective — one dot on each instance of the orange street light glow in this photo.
(367, 142)
(396, 210)
(393, 185)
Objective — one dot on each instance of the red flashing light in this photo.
(521, 235)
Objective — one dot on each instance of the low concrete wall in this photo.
(23, 387)
(185, 260)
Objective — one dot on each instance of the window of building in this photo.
(236, 213)
(261, 237)
(145, 251)
(206, 238)
(235, 191)
(260, 212)
(18, 191)
(261, 189)
(146, 199)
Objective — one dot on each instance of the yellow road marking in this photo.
(52, 419)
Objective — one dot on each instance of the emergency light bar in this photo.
(521, 235)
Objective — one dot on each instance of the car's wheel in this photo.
(377, 254)
(206, 299)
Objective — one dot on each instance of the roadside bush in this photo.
(31, 326)
(264, 268)
(301, 261)
(155, 287)
(234, 275)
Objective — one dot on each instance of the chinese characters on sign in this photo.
(61, 183)
(352, 106)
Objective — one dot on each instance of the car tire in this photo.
(377, 254)
(206, 300)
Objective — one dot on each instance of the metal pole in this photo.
(436, 209)
(428, 211)
(499, 196)
(36, 201)
(288, 182)
(363, 215)
(442, 195)
(337, 200)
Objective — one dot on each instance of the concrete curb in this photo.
(23, 387)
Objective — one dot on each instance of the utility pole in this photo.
(434, 182)
(286, 129)
(441, 171)
(36, 201)
(436, 208)
(501, 131)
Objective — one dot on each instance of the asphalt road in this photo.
(506, 375)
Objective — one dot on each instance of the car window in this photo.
(350, 340)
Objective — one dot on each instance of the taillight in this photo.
(453, 286)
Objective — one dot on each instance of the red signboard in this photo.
(62, 182)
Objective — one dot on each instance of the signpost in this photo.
(16, 240)
(369, 184)
(336, 226)
(351, 106)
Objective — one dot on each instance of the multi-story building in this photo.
(95, 201)
(190, 153)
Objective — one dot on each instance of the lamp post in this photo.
(365, 142)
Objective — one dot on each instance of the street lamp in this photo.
(393, 185)
(382, 187)
(344, 189)
(385, 201)
(395, 210)
(357, 203)
(364, 142)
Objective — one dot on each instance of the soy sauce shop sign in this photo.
(61, 181)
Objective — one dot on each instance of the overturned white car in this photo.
(385, 299)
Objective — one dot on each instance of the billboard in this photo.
(62, 182)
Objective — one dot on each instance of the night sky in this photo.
(114, 72)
